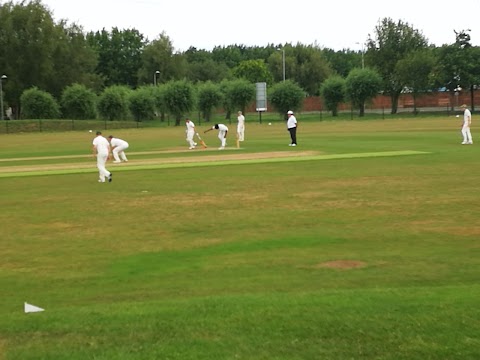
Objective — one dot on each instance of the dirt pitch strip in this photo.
(224, 158)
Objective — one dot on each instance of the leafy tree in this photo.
(342, 61)
(209, 97)
(74, 61)
(119, 55)
(304, 65)
(142, 103)
(158, 93)
(227, 102)
(415, 72)
(333, 93)
(113, 103)
(78, 102)
(229, 55)
(179, 99)
(240, 93)
(207, 70)
(254, 71)
(393, 41)
(286, 96)
(311, 69)
(39, 104)
(462, 39)
(197, 55)
(36, 51)
(159, 55)
(458, 65)
(362, 85)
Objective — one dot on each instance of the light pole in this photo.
(155, 75)
(363, 51)
(283, 62)
(4, 77)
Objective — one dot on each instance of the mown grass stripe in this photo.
(218, 163)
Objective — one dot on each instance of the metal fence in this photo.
(24, 126)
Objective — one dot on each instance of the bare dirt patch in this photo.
(342, 264)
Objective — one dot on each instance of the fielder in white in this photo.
(222, 134)
(467, 121)
(240, 126)
(101, 150)
(190, 133)
(118, 149)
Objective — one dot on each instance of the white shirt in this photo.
(115, 142)
(467, 116)
(221, 127)
(241, 121)
(292, 122)
(102, 145)
(190, 126)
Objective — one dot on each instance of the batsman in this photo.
(222, 134)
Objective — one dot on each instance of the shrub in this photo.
(113, 103)
(38, 104)
(286, 96)
(142, 103)
(78, 102)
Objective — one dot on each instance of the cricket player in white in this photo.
(240, 126)
(292, 127)
(222, 134)
(190, 133)
(118, 149)
(101, 150)
(467, 121)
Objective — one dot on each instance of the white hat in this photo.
(290, 112)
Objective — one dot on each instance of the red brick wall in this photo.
(436, 99)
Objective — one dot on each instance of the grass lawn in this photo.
(360, 243)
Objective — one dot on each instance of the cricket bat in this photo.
(201, 141)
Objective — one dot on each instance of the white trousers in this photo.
(190, 134)
(120, 150)
(241, 132)
(221, 136)
(467, 135)
(102, 171)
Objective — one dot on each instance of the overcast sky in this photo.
(204, 24)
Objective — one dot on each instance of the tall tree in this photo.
(362, 85)
(458, 65)
(392, 42)
(415, 72)
(286, 96)
(36, 51)
(254, 71)
(160, 55)
(209, 97)
(333, 93)
(313, 72)
(230, 55)
(201, 67)
(343, 61)
(241, 93)
(75, 61)
(119, 55)
(179, 97)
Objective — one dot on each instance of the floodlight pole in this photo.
(363, 52)
(4, 77)
(283, 62)
(155, 77)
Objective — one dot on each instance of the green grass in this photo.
(334, 257)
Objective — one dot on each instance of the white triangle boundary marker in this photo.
(28, 308)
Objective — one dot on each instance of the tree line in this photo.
(39, 54)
